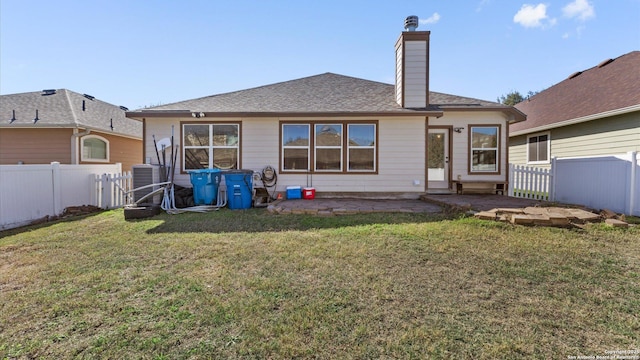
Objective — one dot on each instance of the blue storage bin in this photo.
(205, 185)
(239, 188)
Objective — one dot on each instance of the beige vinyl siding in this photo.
(399, 65)
(608, 136)
(401, 151)
(415, 74)
(122, 150)
(35, 146)
(460, 147)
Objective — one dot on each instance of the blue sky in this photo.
(139, 53)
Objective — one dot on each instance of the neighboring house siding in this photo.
(614, 135)
(122, 150)
(35, 146)
(608, 136)
(518, 150)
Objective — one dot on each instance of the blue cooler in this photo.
(205, 185)
(239, 188)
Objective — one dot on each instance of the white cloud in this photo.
(431, 19)
(580, 9)
(565, 35)
(482, 5)
(533, 16)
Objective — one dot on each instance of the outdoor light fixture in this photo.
(458, 129)
(198, 115)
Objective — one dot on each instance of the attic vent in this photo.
(88, 96)
(48, 92)
(605, 63)
(124, 108)
(575, 74)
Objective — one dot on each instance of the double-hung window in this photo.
(484, 148)
(329, 147)
(538, 148)
(295, 147)
(362, 147)
(210, 146)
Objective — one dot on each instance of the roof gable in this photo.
(612, 85)
(65, 108)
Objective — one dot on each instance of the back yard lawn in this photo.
(249, 284)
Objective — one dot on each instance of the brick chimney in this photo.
(412, 66)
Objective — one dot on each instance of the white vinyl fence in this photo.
(599, 182)
(528, 182)
(31, 192)
(111, 190)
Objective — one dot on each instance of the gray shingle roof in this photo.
(324, 93)
(613, 84)
(64, 108)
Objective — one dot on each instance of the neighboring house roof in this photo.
(320, 94)
(66, 109)
(611, 87)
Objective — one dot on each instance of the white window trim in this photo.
(548, 161)
(108, 150)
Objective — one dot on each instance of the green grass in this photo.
(249, 284)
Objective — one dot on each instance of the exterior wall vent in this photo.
(411, 23)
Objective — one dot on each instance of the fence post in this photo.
(552, 181)
(512, 179)
(632, 180)
(104, 183)
(55, 182)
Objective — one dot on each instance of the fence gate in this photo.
(530, 183)
(112, 190)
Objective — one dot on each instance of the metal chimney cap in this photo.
(411, 23)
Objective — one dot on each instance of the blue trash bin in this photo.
(239, 188)
(205, 185)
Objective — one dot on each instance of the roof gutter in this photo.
(139, 115)
(74, 145)
(578, 120)
(513, 115)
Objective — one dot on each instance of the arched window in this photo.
(95, 148)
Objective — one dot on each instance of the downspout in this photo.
(75, 158)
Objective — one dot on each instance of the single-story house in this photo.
(70, 128)
(344, 136)
(592, 112)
